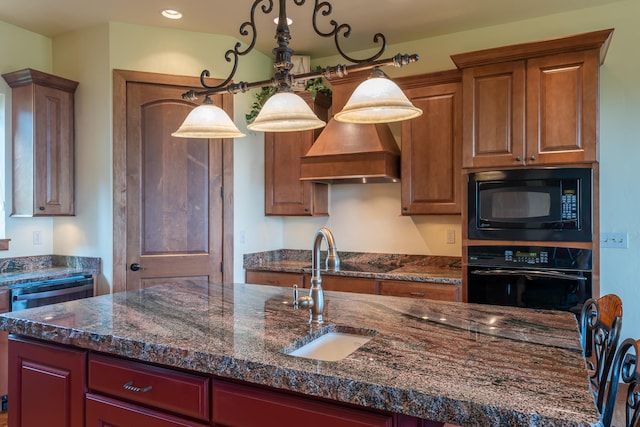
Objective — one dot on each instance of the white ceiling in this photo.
(398, 20)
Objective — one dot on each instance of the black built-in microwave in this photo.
(542, 204)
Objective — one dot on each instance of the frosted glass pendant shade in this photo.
(208, 121)
(377, 100)
(285, 112)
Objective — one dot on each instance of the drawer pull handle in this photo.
(416, 294)
(129, 386)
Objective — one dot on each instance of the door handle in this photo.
(135, 267)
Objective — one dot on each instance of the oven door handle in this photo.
(533, 273)
(53, 293)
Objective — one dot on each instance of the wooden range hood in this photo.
(352, 153)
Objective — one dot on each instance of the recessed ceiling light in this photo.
(289, 21)
(171, 14)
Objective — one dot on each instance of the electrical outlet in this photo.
(451, 237)
(37, 237)
(614, 240)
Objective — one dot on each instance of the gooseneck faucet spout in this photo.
(333, 263)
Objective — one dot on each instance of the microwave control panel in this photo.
(569, 207)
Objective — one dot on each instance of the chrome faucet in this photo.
(315, 300)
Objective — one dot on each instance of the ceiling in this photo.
(398, 20)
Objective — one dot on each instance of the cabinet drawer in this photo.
(275, 279)
(360, 285)
(435, 291)
(237, 405)
(166, 389)
(103, 411)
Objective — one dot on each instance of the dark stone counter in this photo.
(418, 268)
(461, 363)
(20, 270)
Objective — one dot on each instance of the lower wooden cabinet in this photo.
(50, 385)
(362, 285)
(47, 385)
(238, 405)
(105, 412)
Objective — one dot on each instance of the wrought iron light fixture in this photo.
(377, 100)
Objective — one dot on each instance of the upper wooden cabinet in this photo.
(43, 143)
(285, 194)
(534, 103)
(432, 144)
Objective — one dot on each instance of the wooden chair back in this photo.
(626, 368)
(601, 322)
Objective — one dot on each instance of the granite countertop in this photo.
(21, 270)
(461, 363)
(417, 268)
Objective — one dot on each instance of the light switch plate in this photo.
(614, 240)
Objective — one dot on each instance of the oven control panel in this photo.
(527, 256)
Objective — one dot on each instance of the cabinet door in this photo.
(285, 194)
(436, 291)
(562, 108)
(54, 151)
(46, 385)
(275, 278)
(236, 405)
(105, 412)
(493, 107)
(431, 151)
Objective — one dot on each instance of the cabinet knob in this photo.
(534, 158)
(41, 208)
(518, 158)
(135, 266)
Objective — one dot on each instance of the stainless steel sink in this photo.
(331, 343)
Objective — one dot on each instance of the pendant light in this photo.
(208, 121)
(377, 100)
(285, 111)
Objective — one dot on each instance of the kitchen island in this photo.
(448, 362)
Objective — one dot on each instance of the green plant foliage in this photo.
(317, 85)
(261, 97)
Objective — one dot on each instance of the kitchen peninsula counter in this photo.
(416, 268)
(451, 362)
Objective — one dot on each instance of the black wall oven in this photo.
(542, 204)
(530, 276)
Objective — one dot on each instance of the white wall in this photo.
(21, 49)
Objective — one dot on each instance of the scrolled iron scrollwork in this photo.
(249, 29)
(325, 9)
